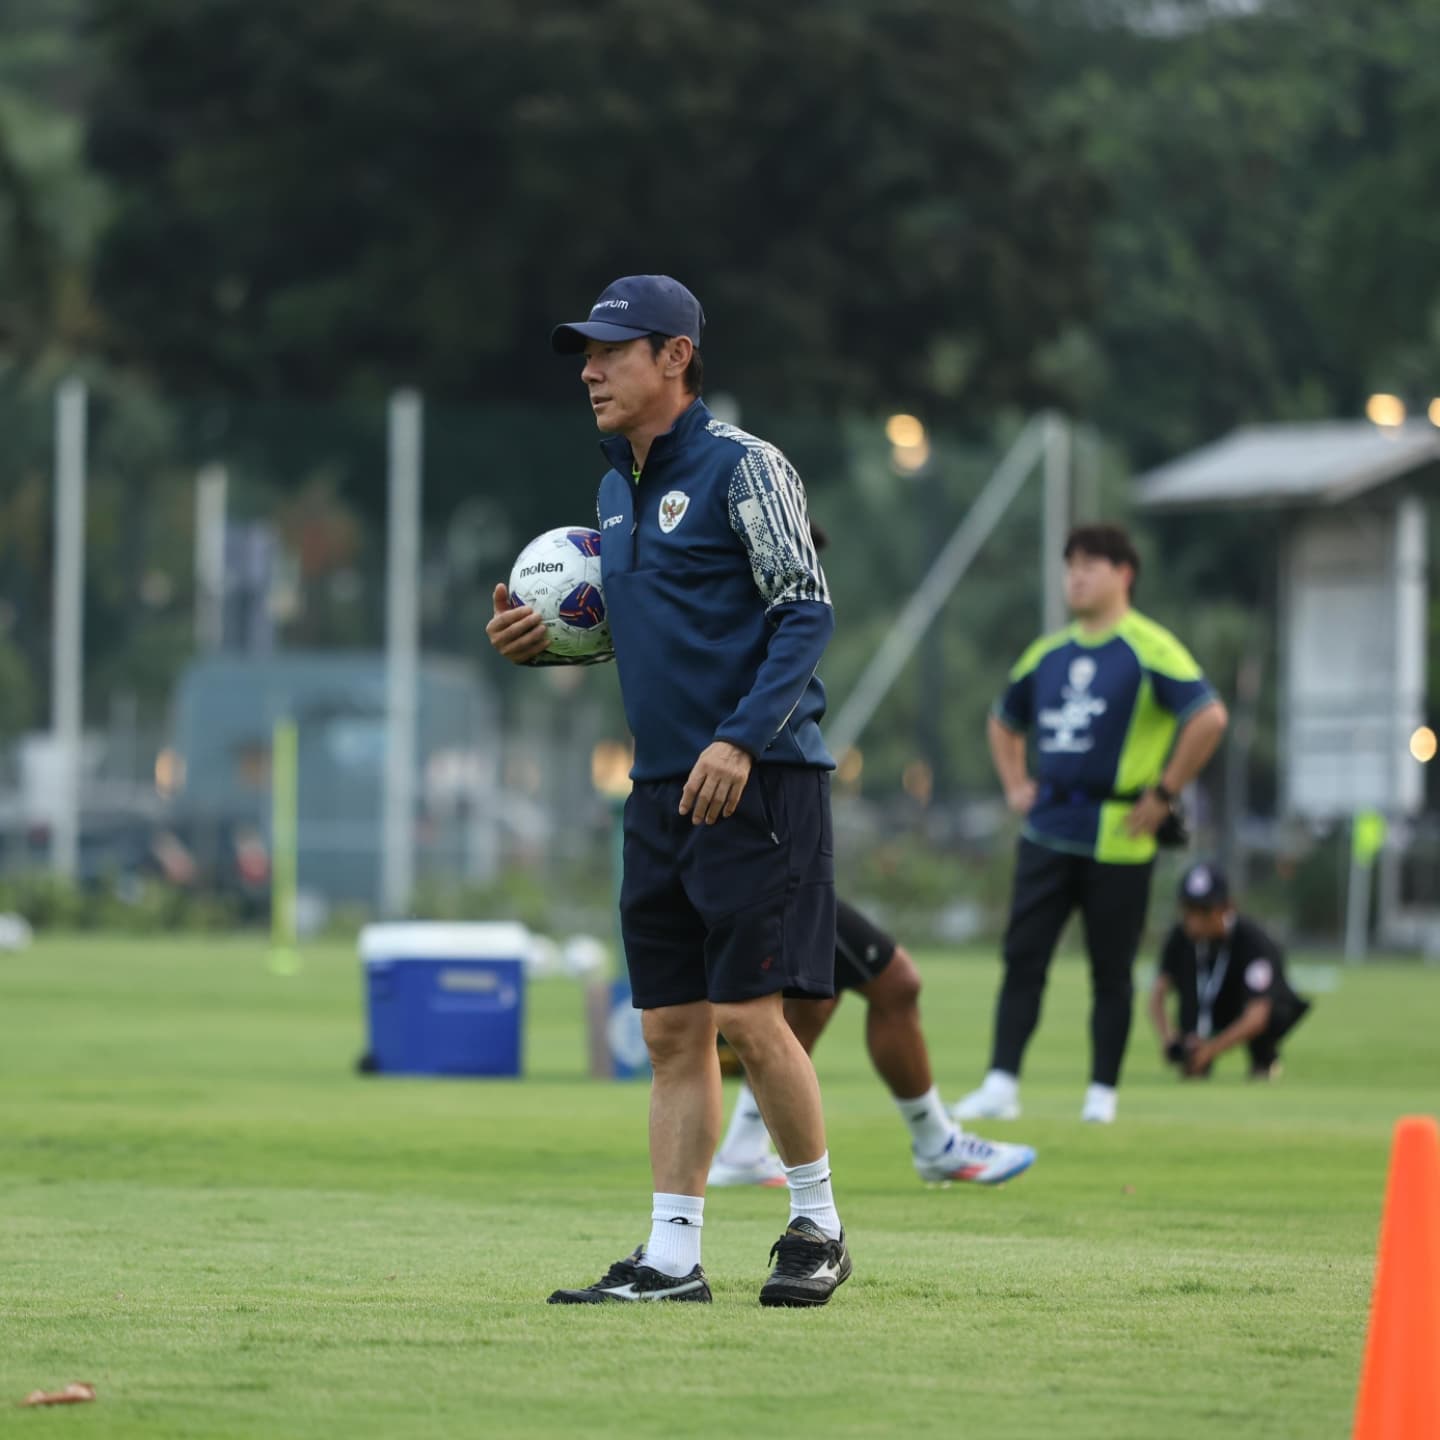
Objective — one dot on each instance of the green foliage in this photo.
(1267, 252)
(17, 691)
(127, 905)
(533, 895)
(349, 196)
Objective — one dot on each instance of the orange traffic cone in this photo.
(1400, 1379)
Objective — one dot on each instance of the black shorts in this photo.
(862, 948)
(734, 910)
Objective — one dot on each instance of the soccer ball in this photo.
(558, 576)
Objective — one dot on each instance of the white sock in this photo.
(675, 1224)
(931, 1129)
(747, 1141)
(1002, 1084)
(811, 1196)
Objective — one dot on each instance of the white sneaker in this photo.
(998, 1098)
(1099, 1107)
(766, 1171)
(968, 1157)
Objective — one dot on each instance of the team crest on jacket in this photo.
(672, 509)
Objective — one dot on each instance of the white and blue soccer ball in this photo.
(558, 576)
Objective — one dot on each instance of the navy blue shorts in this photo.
(734, 910)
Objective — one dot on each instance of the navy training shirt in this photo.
(1104, 709)
(719, 611)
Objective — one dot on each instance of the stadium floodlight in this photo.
(909, 444)
(905, 432)
(918, 781)
(1434, 412)
(1423, 744)
(1385, 410)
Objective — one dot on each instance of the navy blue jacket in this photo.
(718, 608)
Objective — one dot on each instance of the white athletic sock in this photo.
(747, 1141)
(1002, 1084)
(811, 1196)
(675, 1224)
(931, 1129)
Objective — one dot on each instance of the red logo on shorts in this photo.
(767, 962)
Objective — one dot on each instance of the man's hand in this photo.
(1147, 815)
(1021, 798)
(1199, 1057)
(716, 783)
(516, 631)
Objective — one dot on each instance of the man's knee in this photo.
(897, 987)
(1113, 985)
(1025, 966)
(678, 1034)
(752, 1026)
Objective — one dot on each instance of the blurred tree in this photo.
(50, 204)
(1270, 248)
(359, 192)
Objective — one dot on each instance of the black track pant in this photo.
(1049, 886)
(1284, 1017)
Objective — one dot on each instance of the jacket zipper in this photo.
(634, 516)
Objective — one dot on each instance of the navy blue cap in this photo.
(631, 307)
(1204, 886)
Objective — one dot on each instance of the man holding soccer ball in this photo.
(719, 614)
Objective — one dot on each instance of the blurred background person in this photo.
(1228, 975)
(1124, 720)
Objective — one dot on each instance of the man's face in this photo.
(626, 381)
(1205, 922)
(1094, 585)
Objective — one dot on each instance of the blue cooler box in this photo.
(445, 999)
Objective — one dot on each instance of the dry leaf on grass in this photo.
(75, 1393)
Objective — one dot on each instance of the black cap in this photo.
(633, 306)
(1204, 886)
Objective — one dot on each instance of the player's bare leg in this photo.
(892, 1028)
(745, 1156)
(684, 1125)
(685, 1105)
(781, 1075)
(896, 1042)
(811, 1259)
(808, 1019)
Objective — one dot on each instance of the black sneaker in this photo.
(629, 1279)
(808, 1266)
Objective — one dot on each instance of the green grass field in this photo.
(207, 1213)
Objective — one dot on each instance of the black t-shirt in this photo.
(1217, 980)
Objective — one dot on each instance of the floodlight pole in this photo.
(1087, 476)
(402, 643)
(940, 580)
(69, 619)
(211, 489)
(1056, 522)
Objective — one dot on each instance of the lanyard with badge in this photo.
(1207, 990)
